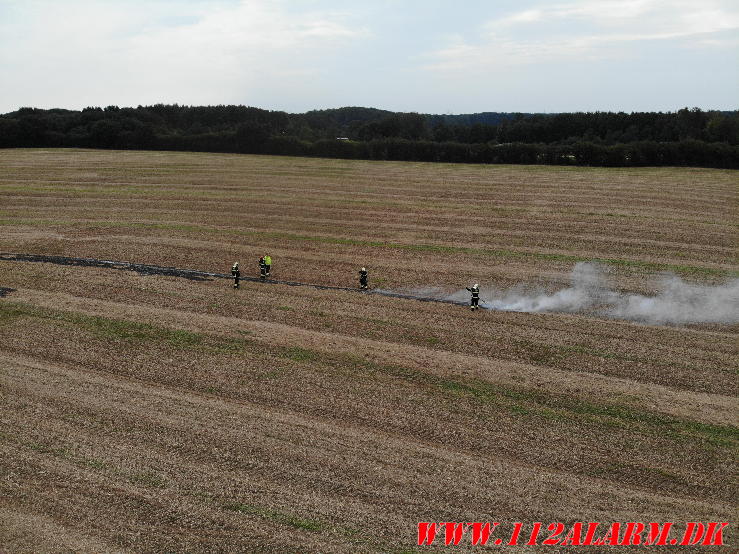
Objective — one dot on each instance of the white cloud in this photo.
(608, 10)
(588, 30)
(95, 53)
(523, 17)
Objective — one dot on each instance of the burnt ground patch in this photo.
(5, 291)
(196, 275)
(142, 269)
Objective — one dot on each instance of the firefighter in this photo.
(236, 274)
(475, 298)
(262, 269)
(267, 262)
(363, 278)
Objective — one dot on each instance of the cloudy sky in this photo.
(432, 56)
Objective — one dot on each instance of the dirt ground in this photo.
(152, 413)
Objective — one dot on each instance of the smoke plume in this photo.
(675, 301)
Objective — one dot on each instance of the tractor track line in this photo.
(196, 275)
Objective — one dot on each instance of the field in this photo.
(145, 412)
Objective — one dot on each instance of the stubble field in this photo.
(156, 413)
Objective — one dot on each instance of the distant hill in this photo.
(350, 118)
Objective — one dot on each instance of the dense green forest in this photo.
(688, 137)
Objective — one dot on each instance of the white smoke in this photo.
(588, 288)
(680, 302)
(675, 302)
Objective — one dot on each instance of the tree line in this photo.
(687, 137)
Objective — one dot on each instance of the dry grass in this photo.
(150, 413)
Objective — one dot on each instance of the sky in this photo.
(427, 56)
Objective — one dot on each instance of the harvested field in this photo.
(146, 411)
